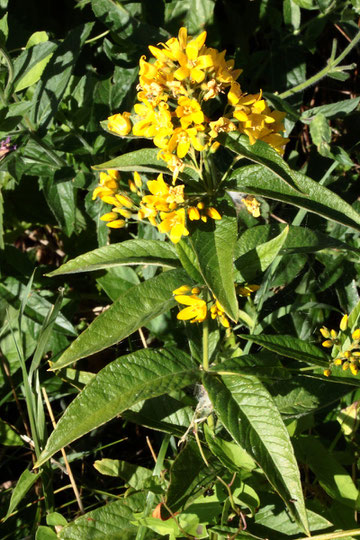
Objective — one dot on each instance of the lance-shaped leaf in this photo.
(261, 153)
(120, 385)
(133, 309)
(130, 252)
(249, 414)
(214, 244)
(259, 259)
(291, 347)
(298, 240)
(258, 180)
(110, 521)
(142, 161)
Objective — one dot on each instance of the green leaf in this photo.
(115, 281)
(248, 413)
(130, 252)
(164, 413)
(36, 308)
(333, 109)
(9, 437)
(120, 385)
(263, 154)
(291, 347)
(257, 180)
(199, 16)
(259, 259)
(4, 30)
(354, 317)
(111, 521)
(298, 240)
(143, 161)
(332, 476)
(231, 455)
(214, 243)
(274, 517)
(188, 260)
(133, 309)
(134, 475)
(54, 518)
(56, 75)
(304, 395)
(124, 25)
(45, 533)
(187, 474)
(27, 62)
(292, 14)
(320, 132)
(25, 482)
(32, 75)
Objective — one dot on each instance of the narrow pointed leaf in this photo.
(120, 385)
(249, 414)
(258, 180)
(26, 480)
(142, 161)
(263, 154)
(259, 259)
(130, 252)
(214, 245)
(111, 521)
(133, 309)
(291, 347)
(299, 239)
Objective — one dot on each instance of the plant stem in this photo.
(156, 472)
(332, 63)
(205, 344)
(11, 73)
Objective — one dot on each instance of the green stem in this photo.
(332, 63)
(11, 73)
(91, 40)
(205, 344)
(156, 472)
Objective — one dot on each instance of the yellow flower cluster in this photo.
(197, 309)
(174, 89)
(166, 207)
(348, 357)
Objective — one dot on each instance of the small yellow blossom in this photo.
(246, 290)
(217, 311)
(196, 310)
(327, 372)
(356, 334)
(344, 323)
(252, 205)
(120, 123)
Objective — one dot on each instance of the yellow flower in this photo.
(120, 123)
(182, 290)
(196, 310)
(189, 111)
(252, 205)
(181, 140)
(173, 223)
(246, 290)
(212, 213)
(108, 184)
(217, 311)
(193, 213)
(356, 334)
(327, 372)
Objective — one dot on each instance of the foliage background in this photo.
(79, 66)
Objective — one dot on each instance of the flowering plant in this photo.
(214, 328)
